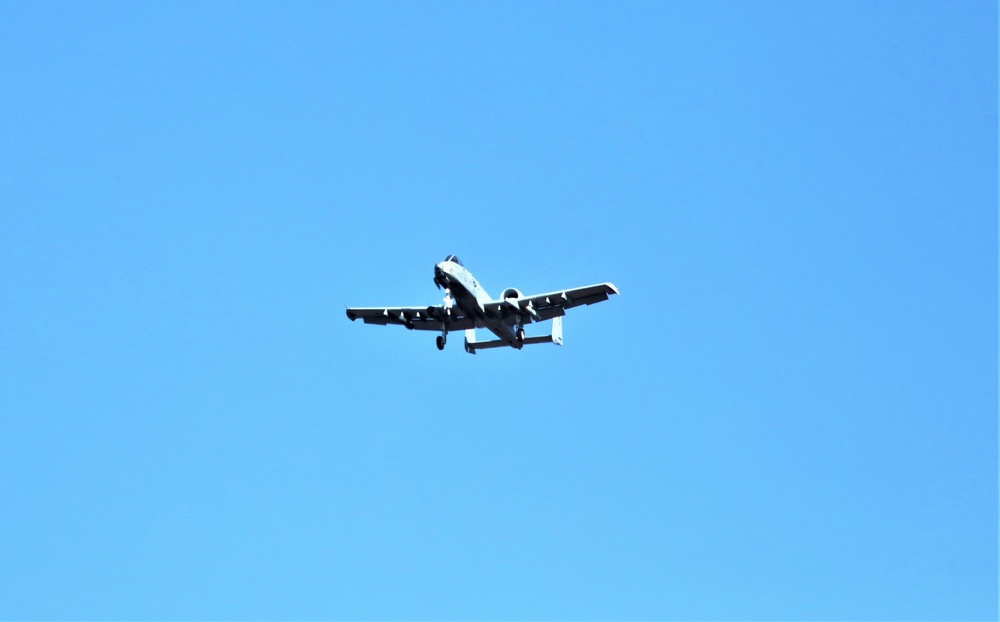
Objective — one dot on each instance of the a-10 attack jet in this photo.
(467, 307)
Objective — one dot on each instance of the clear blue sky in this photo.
(789, 413)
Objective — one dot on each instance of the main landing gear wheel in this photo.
(441, 341)
(520, 335)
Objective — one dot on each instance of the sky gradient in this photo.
(790, 412)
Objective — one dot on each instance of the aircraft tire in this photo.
(440, 342)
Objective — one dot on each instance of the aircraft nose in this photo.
(441, 274)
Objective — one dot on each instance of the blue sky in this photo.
(789, 413)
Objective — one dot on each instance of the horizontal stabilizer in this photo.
(471, 345)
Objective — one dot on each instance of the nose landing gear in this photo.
(445, 318)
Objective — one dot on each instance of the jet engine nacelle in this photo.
(511, 292)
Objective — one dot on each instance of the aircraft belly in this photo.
(501, 330)
(502, 327)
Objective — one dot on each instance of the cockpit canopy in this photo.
(454, 258)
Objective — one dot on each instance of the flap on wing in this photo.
(569, 298)
(414, 318)
(543, 307)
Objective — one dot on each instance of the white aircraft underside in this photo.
(473, 308)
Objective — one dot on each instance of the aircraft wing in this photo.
(541, 307)
(414, 318)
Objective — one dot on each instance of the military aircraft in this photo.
(467, 307)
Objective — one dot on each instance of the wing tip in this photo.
(612, 287)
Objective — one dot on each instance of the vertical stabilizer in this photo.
(557, 330)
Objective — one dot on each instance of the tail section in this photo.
(471, 345)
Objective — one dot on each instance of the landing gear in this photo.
(520, 334)
(445, 317)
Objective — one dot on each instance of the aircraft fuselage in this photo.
(471, 298)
